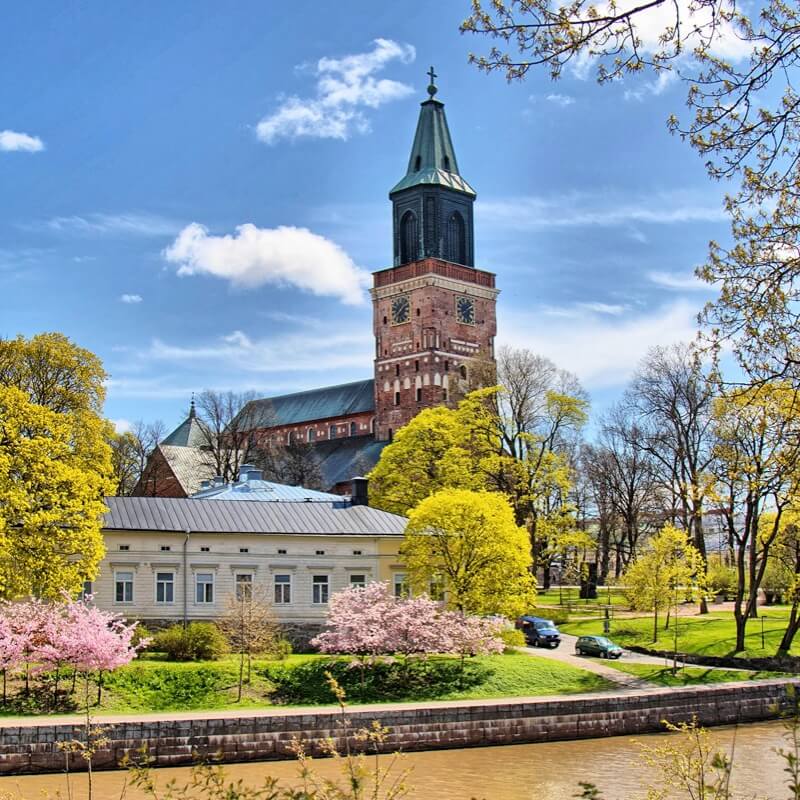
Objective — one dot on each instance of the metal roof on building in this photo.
(342, 459)
(314, 404)
(258, 490)
(188, 434)
(190, 465)
(433, 158)
(336, 518)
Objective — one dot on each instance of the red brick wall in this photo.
(429, 351)
(321, 427)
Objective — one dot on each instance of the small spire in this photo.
(432, 86)
(192, 410)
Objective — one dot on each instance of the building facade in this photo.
(434, 322)
(174, 560)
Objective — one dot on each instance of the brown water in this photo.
(517, 772)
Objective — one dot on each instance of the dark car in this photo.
(539, 632)
(597, 646)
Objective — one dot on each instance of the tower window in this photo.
(456, 239)
(391, 434)
(447, 163)
(447, 366)
(417, 163)
(417, 312)
(409, 238)
(419, 395)
(463, 371)
(385, 320)
(397, 398)
(416, 366)
(396, 369)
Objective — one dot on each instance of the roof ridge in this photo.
(313, 391)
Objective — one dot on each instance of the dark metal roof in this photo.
(336, 518)
(314, 404)
(188, 434)
(433, 158)
(342, 459)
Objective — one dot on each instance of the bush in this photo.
(512, 637)
(198, 641)
(721, 578)
(557, 615)
(383, 680)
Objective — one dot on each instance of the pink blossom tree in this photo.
(13, 647)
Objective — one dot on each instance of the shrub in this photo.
(384, 679)
(198, 641)
(512, 637)
(557, 615)
(721, 578)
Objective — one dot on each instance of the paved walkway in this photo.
(565, 653)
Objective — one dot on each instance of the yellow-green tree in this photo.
(54, 471)
(471, 542)
(491, 441)
(668, 567)
(53, 372)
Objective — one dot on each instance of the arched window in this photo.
(456, 239)
(417, 163)
(409, 237)
(353, 429)
(331, 431)
(311, 435)
(463, 370)
(447, 163)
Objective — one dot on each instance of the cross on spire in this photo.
(432, 86)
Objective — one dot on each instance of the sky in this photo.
(198, 192)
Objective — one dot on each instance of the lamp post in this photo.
(675, 634)
(763, 646)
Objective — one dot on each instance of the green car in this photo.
(597, 646)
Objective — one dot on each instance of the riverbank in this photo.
(32, 747)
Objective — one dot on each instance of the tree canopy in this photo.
(470, 542)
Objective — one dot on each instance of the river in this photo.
(548, 771)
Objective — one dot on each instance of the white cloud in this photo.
(12, 141)
(121, 425)
(602, 351)
(582, 209)
(131, 224)
(283, 256)
(579, 310)
(614, 309)
(239, 352)
(345, 86)
(679, 282)
(131, 298)
(562, 100)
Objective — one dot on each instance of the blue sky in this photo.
(137, 139)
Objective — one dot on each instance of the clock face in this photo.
(465, 310)
(401, 309)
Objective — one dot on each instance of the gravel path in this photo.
(565, 653)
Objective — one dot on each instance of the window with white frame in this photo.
(244, 586)
(358, 580)
(123, 587)
(400, 583)
(320, 589)
(165, 587)
(436, 588)
(204, 587)
(283, 589)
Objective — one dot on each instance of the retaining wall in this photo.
(34, 748)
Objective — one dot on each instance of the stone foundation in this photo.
(33, 748)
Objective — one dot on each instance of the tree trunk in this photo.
(655, 624)
(791, 631)
(605, 555)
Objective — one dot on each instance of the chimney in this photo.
(248, 472)
(217, 481)
(358, 493)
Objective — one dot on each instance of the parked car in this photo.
(539, 632)
(597, 646)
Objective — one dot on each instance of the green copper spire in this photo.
(433, 159)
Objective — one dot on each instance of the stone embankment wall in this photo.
(34, 748)
(769, 664)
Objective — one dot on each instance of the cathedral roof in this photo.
(188, 434)
(433, 158)
(315, 404)
(341, 459)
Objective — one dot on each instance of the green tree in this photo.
(741, 74)
(55, 469)
(53, 372)
(757, 452)
(471, 541)
(668, 566)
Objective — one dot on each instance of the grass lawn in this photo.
(149, 684)
(554, 597)
(662, 676)
(710, 634)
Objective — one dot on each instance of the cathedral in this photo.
(434, 322)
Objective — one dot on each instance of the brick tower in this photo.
(433, 312)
